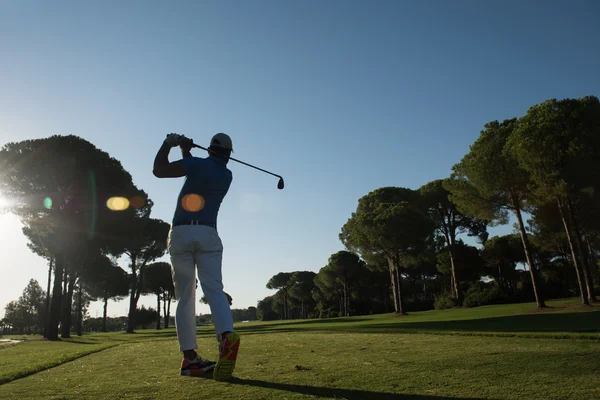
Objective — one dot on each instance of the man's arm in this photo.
(185, 153)
(162, 167)
(186, 147)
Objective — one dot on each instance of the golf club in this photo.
(280, 184)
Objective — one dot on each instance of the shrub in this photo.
(444, 301)
(412, 305)
(481, 294)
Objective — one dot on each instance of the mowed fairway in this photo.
(346, 358)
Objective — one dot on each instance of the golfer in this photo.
(194, 245)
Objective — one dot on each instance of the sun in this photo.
(4, 201)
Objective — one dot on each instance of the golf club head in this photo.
(280, 184)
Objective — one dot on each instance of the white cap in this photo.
(221, 140)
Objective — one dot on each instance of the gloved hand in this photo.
(173, 139)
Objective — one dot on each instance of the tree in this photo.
(449, 223)
(76, 261)
(106, 281)
(281, 282)
(26, 315)
(301, 287)
(389, 222)
(501, 255)
(144, 316)
(159, 281)
(341, 271)
(60, 182)
(144, 241)
(14, 317)
(488, 184)
(38, 235)
(557, 142)
(265, 310)
(468, 262)
(327, 296)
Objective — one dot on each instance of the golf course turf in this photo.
(493, 352)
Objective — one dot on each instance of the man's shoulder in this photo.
(193, 159)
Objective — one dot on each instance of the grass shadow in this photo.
(544, 324)
(349, 394)
(77, 341)
(579, 322)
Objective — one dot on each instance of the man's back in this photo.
(206, 184)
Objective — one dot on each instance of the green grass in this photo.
(32, 356)
(448, 354)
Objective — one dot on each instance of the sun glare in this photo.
(4, 202)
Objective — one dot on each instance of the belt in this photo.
(194, 222)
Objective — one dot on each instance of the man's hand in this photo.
(173, 139)
(162, 167)
(186, 144)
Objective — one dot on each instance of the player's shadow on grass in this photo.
(349, 394)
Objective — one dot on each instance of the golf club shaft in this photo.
(241, 162)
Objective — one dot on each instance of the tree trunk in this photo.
(345, 299)
(584, 299)
(450, 247)
(164, 298)
(55, 306)
(167, 308)
(585, 267)
(158, 311)
(79, 311)
(533, 271)
(105, 312)
(399, 288)
(454, 280)
(168, 312)
(394, 290)
(132, 299)
(593, 259)
(67, 320)
(48, 296)
(65, 281)
(131, 314)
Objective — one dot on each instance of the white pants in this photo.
(197, 247)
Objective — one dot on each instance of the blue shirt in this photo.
(206, 184)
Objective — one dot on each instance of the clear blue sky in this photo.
(339, 97)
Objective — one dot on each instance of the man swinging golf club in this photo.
(194, 245)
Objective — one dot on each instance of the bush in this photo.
(481, 294)
(444, 301)
(268, 316)
(413, 305)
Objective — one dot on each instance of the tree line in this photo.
(61, 188)
(404, 248)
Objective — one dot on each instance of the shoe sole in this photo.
(225, 366)
(197, 371)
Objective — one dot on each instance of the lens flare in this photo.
(192, 202)
(137, 202)
(48, 203)
(118, 203)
